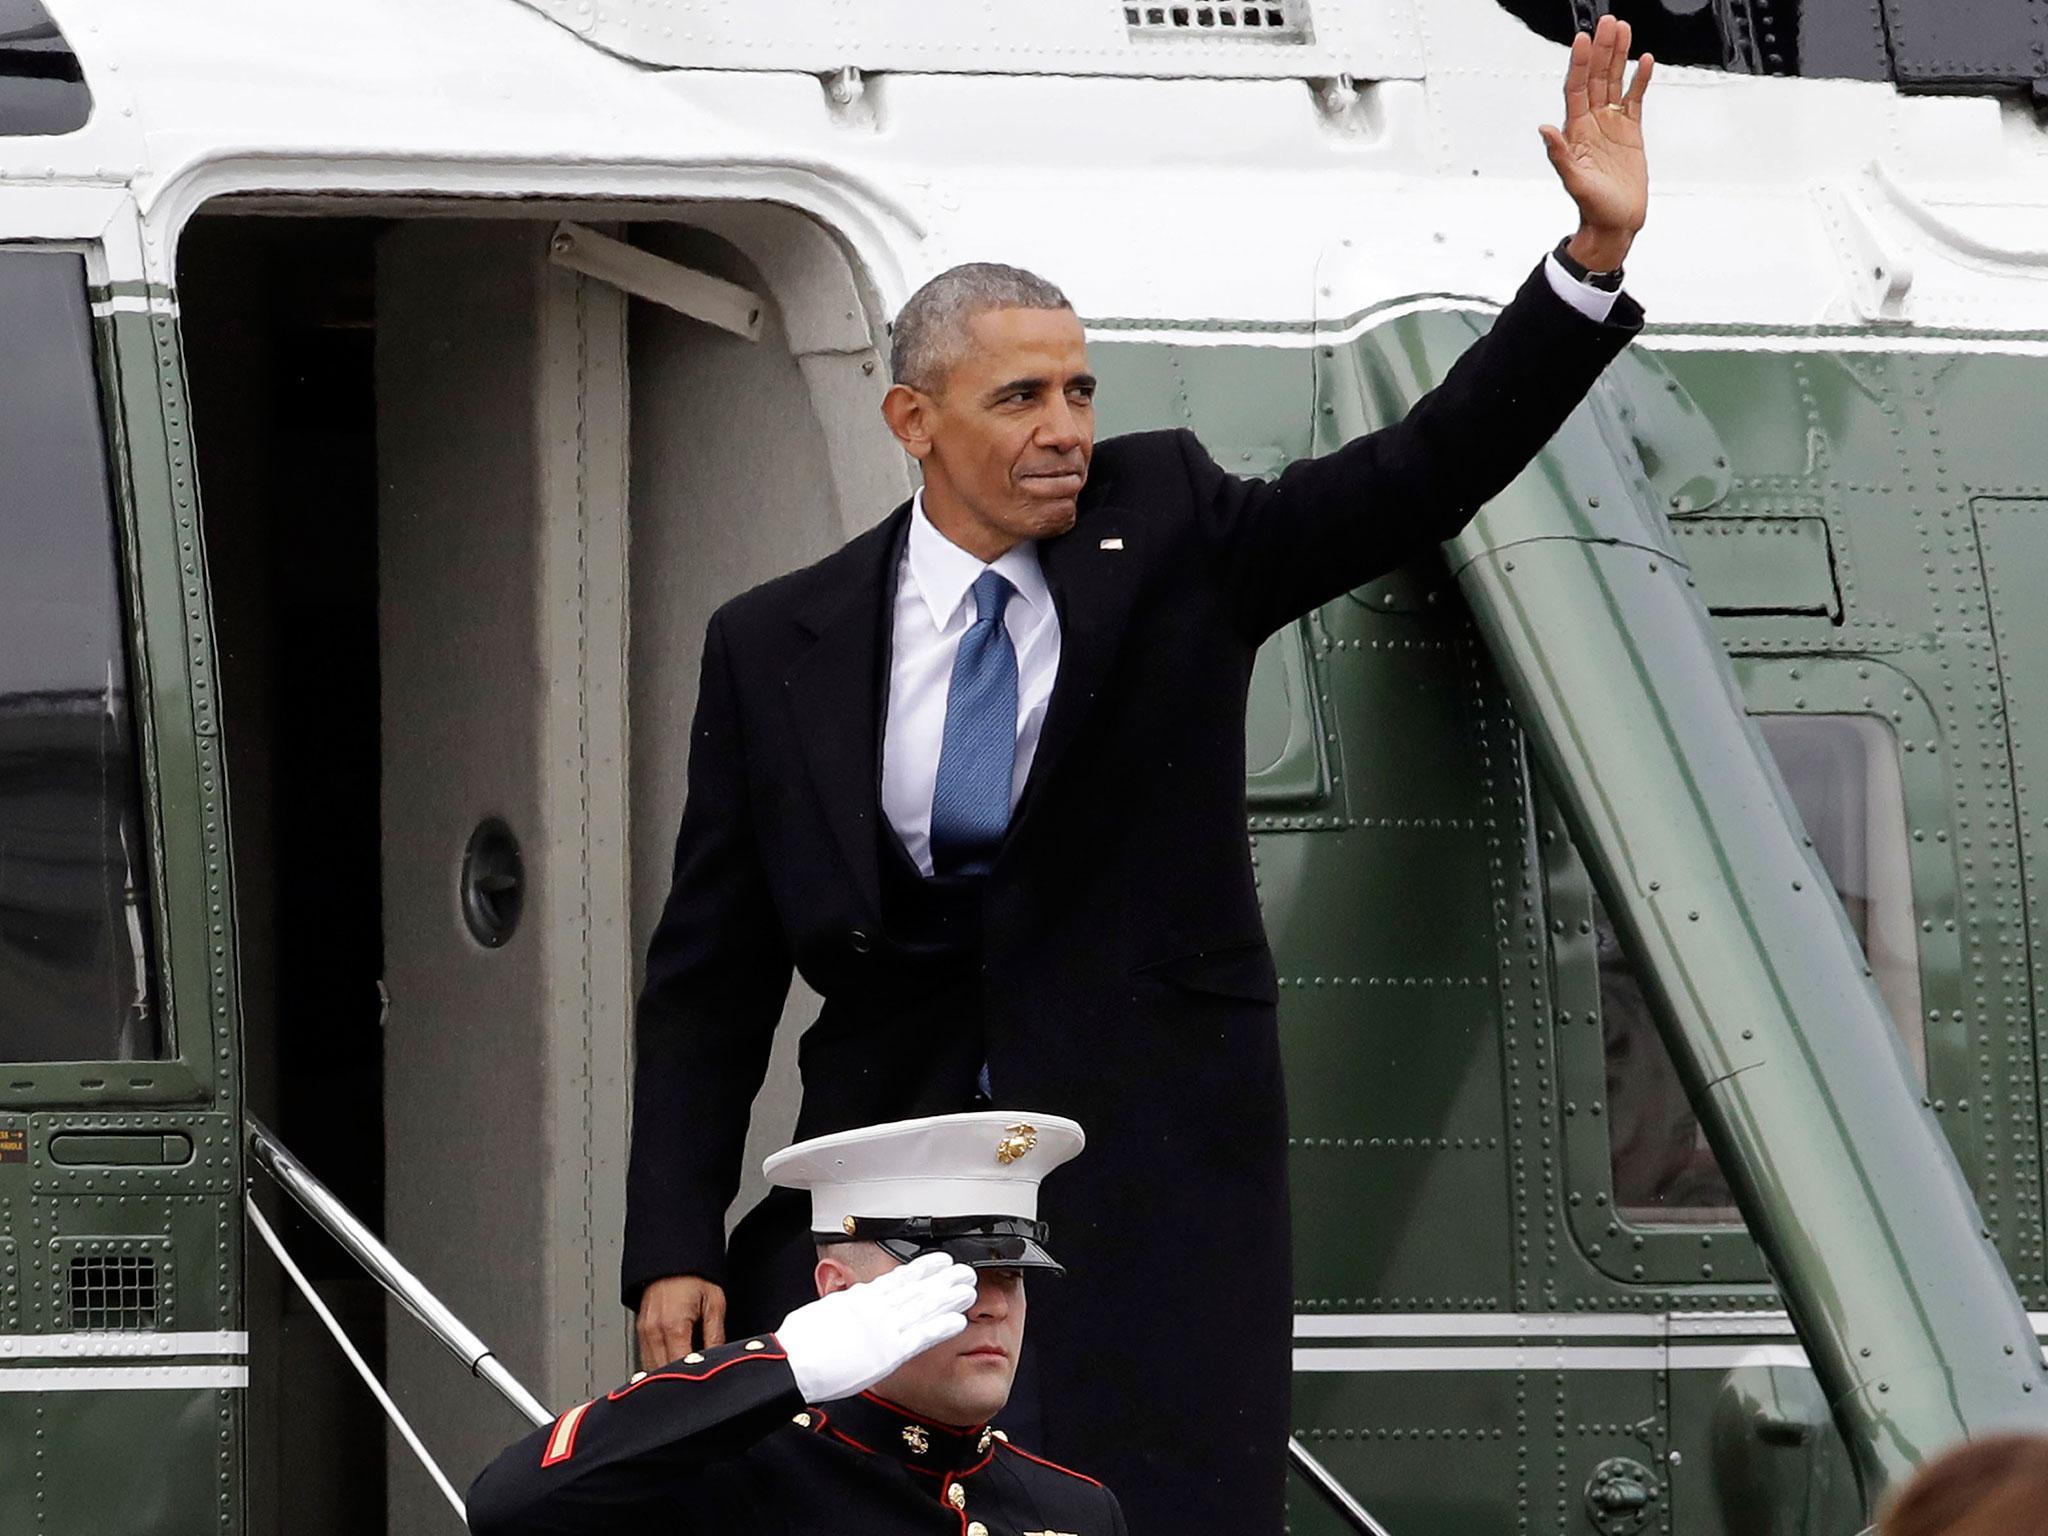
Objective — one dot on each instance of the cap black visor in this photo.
(980, 1242)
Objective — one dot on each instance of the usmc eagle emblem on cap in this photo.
(1017, 1140)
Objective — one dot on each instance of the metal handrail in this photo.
(320, 1203)
(1325, 1482)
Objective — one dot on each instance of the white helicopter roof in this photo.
(1168, 182)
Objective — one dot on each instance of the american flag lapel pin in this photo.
(1111, 544)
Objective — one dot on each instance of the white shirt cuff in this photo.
(1596, 304)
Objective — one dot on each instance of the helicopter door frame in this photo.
(170, 659)
(1714, 1254)
(131, 1238)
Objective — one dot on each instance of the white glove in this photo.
(846, 1342)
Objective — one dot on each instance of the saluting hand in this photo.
(847, 1341)
(1598, 154)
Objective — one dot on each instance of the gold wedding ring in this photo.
(1613, 106)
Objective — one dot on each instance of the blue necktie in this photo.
(978, 752)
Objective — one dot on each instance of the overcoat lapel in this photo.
(1093, 572)
(835, 694)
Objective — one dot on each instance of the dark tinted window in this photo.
(75, 979)
(42, 90)
(1971, 46)
(1951, 46)
(1843, 772)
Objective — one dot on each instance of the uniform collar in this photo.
(942, 571)
(877, 1426)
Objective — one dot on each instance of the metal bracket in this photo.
(658, 280)
(1879, 274)
(1347, 106)
(848, 98)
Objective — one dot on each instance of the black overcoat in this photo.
(1126, 979)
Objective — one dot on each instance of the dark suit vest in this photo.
(935, 922)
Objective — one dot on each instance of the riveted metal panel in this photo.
(1959, 43)
(2012, 536)
(1427, 856)
(1761, 564)
(176, 1424)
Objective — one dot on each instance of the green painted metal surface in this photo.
(1761, 564)
(1442, 996)
(131, 1170)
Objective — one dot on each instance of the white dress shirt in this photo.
(1596, 304)
(934, 607)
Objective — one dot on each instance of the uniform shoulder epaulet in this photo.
(1004, 1444)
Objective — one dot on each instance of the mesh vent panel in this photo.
(1274, 21)
(113, 1292)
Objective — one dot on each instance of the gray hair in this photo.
(926, 339)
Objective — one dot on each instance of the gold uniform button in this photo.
(638, 1376)
(976, 1528)
(755, 1344)
(802, 1421)
(956, 1496)
(1002, 1437)
(693, 1358)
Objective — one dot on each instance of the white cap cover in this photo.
(984, 1163)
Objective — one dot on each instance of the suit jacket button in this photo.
(860, 941)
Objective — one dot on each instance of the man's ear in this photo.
(832, 1274)
(908, 413)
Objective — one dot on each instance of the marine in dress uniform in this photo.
(797, 1431)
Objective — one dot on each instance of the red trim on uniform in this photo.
(841, 1434)
(904, 1413)
(1044, 1463)
(562, 1443)
(634, 1386)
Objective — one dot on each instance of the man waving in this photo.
(979, 776)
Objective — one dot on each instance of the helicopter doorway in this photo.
(467, 513)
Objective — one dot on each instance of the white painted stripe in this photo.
(1541, 1325)
(1297, 333)
(1941, 345)
(1935, 343)
(118, 1346)
(1304, 333)
(1477, 1325)
(1564, 1357)
(117, 1378)
(1721, 1325)
(1735, 1347)
(1486, 1357)
(1729, 1357)
(135, 304)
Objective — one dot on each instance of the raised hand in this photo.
(1598, 153)
(847, 1341)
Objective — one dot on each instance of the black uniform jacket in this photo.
(722, 1443)
(1125, 976)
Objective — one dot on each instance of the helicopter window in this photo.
(1843, 774)
(74, 915)
(42, 89)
